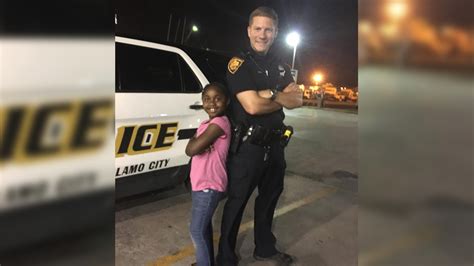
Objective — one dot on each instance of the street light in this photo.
(397, 29)
(397, 9)
(293, 39)
(194, 28)
(318, 77)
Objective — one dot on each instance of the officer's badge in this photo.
(282, 71)
(234, 64)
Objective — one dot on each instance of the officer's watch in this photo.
(273, 93)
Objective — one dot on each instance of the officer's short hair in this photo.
(264, 11)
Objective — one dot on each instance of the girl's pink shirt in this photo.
(208, 169)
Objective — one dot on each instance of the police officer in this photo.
(260, 86)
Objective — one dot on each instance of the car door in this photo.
(158, 106)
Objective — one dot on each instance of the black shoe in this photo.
(280, 257)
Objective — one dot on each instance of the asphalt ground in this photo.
(315, 220)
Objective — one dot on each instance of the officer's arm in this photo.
(291, 97)
(254, 104)
(198, 145)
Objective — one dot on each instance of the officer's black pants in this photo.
(246, 171)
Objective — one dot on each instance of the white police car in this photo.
(157, 110)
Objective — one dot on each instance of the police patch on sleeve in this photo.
(234, 64)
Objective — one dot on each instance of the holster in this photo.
(236, 140)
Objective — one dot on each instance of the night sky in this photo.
(328, 29)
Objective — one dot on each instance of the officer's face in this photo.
(262, 32)
(214, 102)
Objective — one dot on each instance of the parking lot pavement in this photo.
(315, 222)
(324, 146)
(316, 217)
(415, 140)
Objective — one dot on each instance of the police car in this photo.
(58, 144)
(157, 110)
(56, 135)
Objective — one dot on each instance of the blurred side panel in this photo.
(416, 132)
(56, 133)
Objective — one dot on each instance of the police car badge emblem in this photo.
(234, 64)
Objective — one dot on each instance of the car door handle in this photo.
(196, 106)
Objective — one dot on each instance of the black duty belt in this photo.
(261, 136)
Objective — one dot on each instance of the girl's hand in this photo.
(205, 141)
(208, 149)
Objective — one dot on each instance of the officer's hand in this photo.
(264, 94)
(291, 98)
(291, 87)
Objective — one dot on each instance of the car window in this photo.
(214, 66)
(142, 69)
(190, 82)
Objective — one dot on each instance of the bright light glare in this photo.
(318, 77)
(397, 10)
(389, 30)
(293, 39)
(195, 28)
(365, 27)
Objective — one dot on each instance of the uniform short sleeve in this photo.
(224, 123)
(239, 76)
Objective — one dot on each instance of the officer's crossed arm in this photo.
(291, 97)
(254, 104)
(241, 80)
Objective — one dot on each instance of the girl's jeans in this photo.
(204, 203)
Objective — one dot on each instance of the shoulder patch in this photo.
(234, 64)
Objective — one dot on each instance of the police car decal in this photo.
(142, 167)
(139, 139)
(53, 130)
(53, 150)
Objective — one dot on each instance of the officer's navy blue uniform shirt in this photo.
(250, 71)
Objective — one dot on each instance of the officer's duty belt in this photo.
(262, 136)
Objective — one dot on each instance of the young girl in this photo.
(208, 149)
